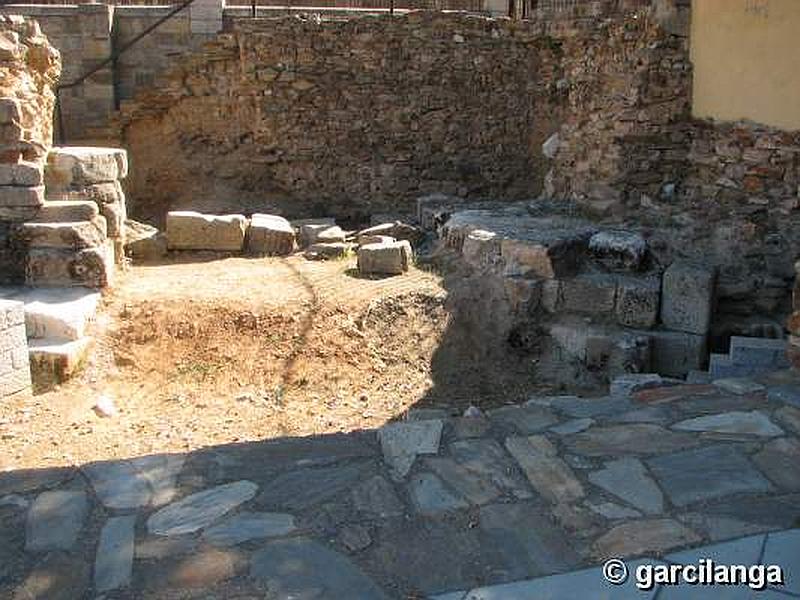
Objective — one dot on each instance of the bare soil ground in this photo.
(203, 352)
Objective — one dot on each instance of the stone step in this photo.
(60, 267)
(721, 366)
(55, 361)
(61, 314)
(72, 235)
(759, 352)
(66, 211)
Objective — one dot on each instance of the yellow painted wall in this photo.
(746, 56)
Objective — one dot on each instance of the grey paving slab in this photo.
(635, 538)
(303, 568)
(779, 460)
(201, 509)
(524, 420)
(549, 475)
(628, 480)
(487, 459)
(632, 439)
(706, 473)
(470, 485)
(246, 526)
(376, 497)
(588, 583)
(739, 385)
(783, 548)
(719, 404)
(625, 385)
(155, 548)
(736, 422)
(788, 417)
(609, 510)
(659, 415)
(135, 483)
(430, 496)
(581, 408)
(114, 561)
(787, 394)
(572, 426)
(403, 442)
(722, 528)
(55, 519)
(305, 488)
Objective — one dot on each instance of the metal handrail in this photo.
(115, 54)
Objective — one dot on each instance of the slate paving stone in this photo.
(430, 496)
(25, 481)
(635, 538)
(58, 576)
(787, 394)
(470, 427)
(659, 415)
(720, 404)
(628, 479)
(377, 498)
(549, 475)
(114, 561)
(746, 551)
(578, 520)
(772, 512)
(789, 417)
(739, 385)
(706, 473)
(721, 528)
(401, 443)
(486, 459)
(303, 568)
(204, 569)
(635, 439)
(201, 509)
(527, 540)
(736, 422)
(780, 462)
(673, 393)
(625, 385)
(609, 510)
(135, 483)
(587, 583)
(246, 526)
(55, 519)
(573, 426)
(783, 549)
(524, 420)
(581, 408)
(469, 485)
(305, 488)
(159, 547)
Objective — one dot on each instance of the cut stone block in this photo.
(589, 294)
(15, 376)
(385, 259)
(75, 235)
(623, 250)
(313, 233)
(271, 235)
(638, 301)
(555, 260)
(397, 230)
(79, 166)
(144, 242)
(481, 248)
(66, 211)
(328, 250)
(99, 193)
(188, 230)
(54, 362)
(687, 298)
(28, 174)
(59, 314)
(20, 203)
(92, 267)
(675, 353)
(115, 214)
(762, 352)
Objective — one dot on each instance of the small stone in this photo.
(736, 422)
(355, 538)
(642, 537)
(247, 526)
(201, 509)
(739, 385)
(54, 520)
(402, 442)
(551, 145)
(105, 407)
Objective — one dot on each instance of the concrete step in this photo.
(759, 352)
(55, 361)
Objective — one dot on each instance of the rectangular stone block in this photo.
(92, 267)
(589, 294)
(100, 193)
(71, 167)
(11, 313)
(187, 230)
(27, 174)
(675, 353)
(761, 352)
(54, 363)
(66, 211)
(687, 297)
(270, 235)
(115, 214)
(74, 235)
(19, 196)
(552, 261)
(638, 301)
(392, 258)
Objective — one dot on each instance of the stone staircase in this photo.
(749, 357)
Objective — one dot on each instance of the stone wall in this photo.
(29, 67)
(344, 117)
(15, 374)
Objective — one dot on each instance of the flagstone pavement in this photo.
(523, 503)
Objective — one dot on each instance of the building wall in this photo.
(746, 61)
